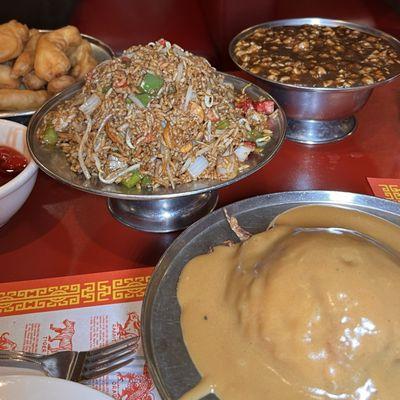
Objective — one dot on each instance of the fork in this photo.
(73, 365)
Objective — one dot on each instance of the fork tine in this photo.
(112, 348)
(117, 363)
(97, 361)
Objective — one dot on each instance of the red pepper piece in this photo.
(264, 107)
(245, 105)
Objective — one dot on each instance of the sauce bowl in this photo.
(14, 193)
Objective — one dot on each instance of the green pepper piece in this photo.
(222, 124)
(105, 89)
(151, 84)
(144, 98)
(50, 136)
(254, 135)
(146, 181)
(128, 101)
(132, 180)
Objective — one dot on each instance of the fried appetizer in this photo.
(82, 60)
(6, 80)
(13, 36)
(24, 63)
(17, 99)
(58, 84)
(32, 81)
(51, 60)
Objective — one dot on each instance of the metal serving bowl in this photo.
(317, 114)
(163, 209)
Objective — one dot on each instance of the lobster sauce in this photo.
(297, 312)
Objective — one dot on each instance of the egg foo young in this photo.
(308, 309)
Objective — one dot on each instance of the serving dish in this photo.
(323, 114)
(101, 52)
(14, 193)
(163, 209)
(168, 360)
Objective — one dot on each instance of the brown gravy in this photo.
(298, 313)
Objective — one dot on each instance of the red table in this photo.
(62, 231)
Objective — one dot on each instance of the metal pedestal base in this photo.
(165, 215)
(319, 132)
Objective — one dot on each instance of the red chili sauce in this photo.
(12, 162)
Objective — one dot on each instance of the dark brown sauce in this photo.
(12, 162)
(318, 56)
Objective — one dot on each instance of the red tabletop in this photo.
(62, 231)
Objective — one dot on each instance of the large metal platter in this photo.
(53, 161)
(169, 363)
(101, 52)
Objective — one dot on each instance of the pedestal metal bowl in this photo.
(163, 209)
(316, 114)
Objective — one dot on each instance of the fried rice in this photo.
(158, 116)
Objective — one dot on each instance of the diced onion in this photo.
(90, 104)
(114, 163)
(188, 97)
(178, 50)
(116, 174)
(128, 140)
(242, 152)
(96, 140)
(208, 101)
(136, 100)
(198, 166)
(179, 73)
(97, 163)
(245, 123)
(81, 147)
(185, 166)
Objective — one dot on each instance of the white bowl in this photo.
(15, 192)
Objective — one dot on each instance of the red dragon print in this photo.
(64, 337)
(6, 343)
(135, 387)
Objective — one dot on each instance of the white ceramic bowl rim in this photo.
(26, 173)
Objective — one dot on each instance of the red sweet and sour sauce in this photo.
(12, 162)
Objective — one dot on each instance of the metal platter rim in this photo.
(46, 107)
(361, 202)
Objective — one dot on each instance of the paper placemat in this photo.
(78, 313)
(385, 188)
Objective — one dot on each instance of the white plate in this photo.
(21, 387)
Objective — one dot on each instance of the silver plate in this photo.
(169, 363)
(53, 161)
(101, 52)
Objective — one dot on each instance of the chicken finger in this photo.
(13, 37)
(24, 63)
(51, 60)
